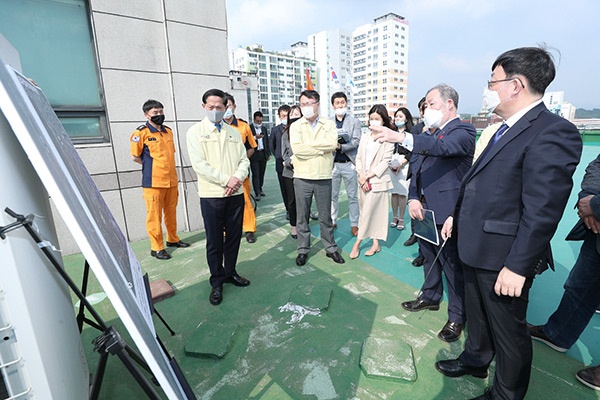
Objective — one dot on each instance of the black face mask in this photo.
(158, 119)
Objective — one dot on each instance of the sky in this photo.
(450, 41)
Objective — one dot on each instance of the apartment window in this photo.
(71, 82)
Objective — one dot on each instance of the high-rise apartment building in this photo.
(380, 64)
(333, 52)
(281, 76)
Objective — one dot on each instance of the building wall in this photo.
(168, 50)
(281, 76)
(333, 52)
(380, 64)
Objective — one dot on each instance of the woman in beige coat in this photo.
(372, 161)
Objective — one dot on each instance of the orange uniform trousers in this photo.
(249, 224)
(159, 202)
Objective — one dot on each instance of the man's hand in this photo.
(415, 210)
(584, 211)
(233, 186)
(383, 134)
(447, 228)
(260, 136)
(509, 283)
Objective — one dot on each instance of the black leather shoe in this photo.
(417, 262)
(314, 216)
(455, 368)
(451, 331)
(412, 239)
(161, 254)
(178, 244)
(262, 194)
(487, 395)
(537, 333)
(335, 256)
(237, 280)
(216, 296)
(419, 304)
(250, 237)
(301, 259)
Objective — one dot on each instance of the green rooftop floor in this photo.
(264, 354)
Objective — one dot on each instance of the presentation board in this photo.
(86, 214)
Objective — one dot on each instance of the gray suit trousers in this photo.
(321, 189)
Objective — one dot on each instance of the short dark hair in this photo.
(536, 64)
(257, 114)
(421, 102)
(150, 104)
(311, 94)
(339, 95)
(214, 92)
(284, 107)
(229, 97)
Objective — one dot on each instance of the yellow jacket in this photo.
(313, 148)
(216, 157)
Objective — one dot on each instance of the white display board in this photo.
(85, 213)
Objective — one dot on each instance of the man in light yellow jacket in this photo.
(313, 141)
(218, 156)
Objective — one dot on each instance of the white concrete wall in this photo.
(168, 50)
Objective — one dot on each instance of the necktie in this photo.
(494, 139)
(218, 125)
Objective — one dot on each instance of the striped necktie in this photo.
(494, 139)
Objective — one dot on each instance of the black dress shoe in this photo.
(417, 262)
(237, 280)
(250, 237)
(412, 239)
(294, 236)
(314, 216)
(301, 259)
(161, 254)
(451, 331)
(487, 395)
(335, 256)
(419, 304)
(262, 194)
(216, 296)
(178, 244)
(455, 368)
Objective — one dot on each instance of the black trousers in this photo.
(222, 216)
(279, 170)
(497, 326)
(290, 201)
(258, 166)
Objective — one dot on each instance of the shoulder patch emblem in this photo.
(135, 139)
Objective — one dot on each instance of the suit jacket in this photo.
(589, 186)
(513, 197)
(353, 127)
(275, 140)
(265, 139)
(438, 163)
(382, 181)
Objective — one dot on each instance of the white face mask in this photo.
(258, 126)
(284, 121)
(375, 122)
(491, 99)
(400, 124)
(308, 112)
(340, 112)
(433, 118)
(215, 116)
(229, 113)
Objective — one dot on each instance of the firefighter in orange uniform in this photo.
(249, 224)
(153, 147)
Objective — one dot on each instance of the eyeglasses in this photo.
(492, 83)
(308, 104)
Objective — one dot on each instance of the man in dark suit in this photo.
(440, 160)
(275, 148)
(258, 161)
(508, 209)
(582, 289)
